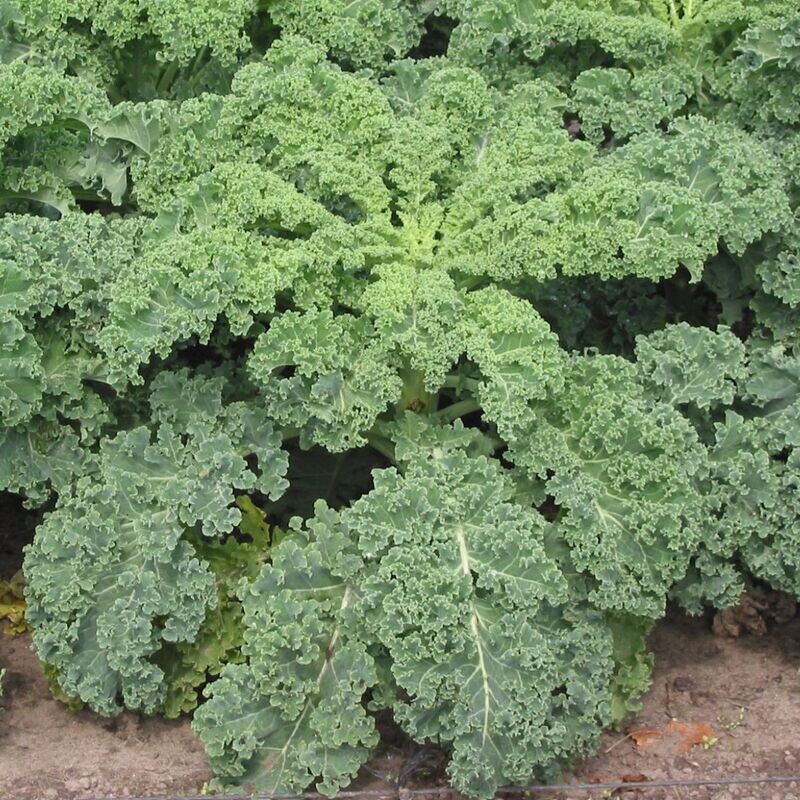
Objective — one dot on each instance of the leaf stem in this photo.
(459, 409)
(290, 433)
(495, 442)
(167, 77)
(383, 445)
(471, 282)
(415, 397)
(460, 382)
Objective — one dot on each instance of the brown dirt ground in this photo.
(745, 690)
(48, 752)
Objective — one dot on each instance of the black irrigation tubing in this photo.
(395, 793)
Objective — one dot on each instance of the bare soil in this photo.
(746, 690)
(49, 752)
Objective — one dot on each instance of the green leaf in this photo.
(684, 364)
(294, 711)
(340, 379)
(489, 651)
(112, 574)
(621, 468)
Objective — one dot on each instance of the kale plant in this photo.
(399, 356)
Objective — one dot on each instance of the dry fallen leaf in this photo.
(635, 777)
(644, 737)
(756, 608)
(692, 734)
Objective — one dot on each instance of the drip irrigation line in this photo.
(399, 793)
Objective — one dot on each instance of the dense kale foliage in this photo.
(398, 355)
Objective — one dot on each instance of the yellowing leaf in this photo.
(12, 605)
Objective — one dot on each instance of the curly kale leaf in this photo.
(777, 265)
(107, 583)
(633, 30)
(621, 469)
(766, 72)
(626, 104)
(294, 711)
(174, 289)
(279, 113)
(439, 169)
(365, 33)
(513, 347)
(684, 364)
(417, 314)
(181, 27)
(189, 665)
(490, 652)
(657, 203)
(746, 491)
(62, 140)
(19, 372)
(491, 667)
(339, 384)
(36, 463)
(757, 469)
(111, 574)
